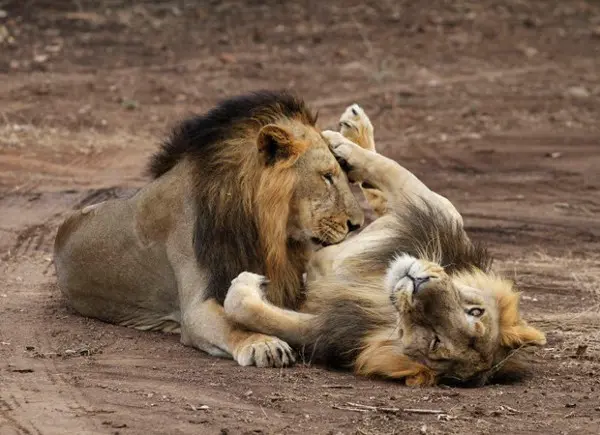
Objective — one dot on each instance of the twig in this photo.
(367, 407)
(348, 408)
(374, 408)
(423, 411)
(338, 386)
(359, 407)
(509, 409)
(263, 411)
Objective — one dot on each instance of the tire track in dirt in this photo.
(42, 376)
(9, 420)
(63, 406)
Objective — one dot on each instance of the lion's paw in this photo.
(245, 289)
(356, 126)
(265, 351)
(250, 280)
(341, 147)
(350, 156)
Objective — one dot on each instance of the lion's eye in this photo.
(476, 312)
(328, 177)
(435, 343)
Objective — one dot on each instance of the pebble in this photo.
(578, 92)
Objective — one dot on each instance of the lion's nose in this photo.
(418, 283)
(353, 226)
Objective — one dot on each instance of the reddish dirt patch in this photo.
(495, 104)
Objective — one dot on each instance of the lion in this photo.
(252, 185)
(410, 297)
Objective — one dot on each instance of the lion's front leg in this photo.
(246, 305)
(205, 326)
(397, 184)
(356, 126)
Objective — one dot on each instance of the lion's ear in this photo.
(277, 145)
(522, 334)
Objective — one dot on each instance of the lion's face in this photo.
(326, 210)
(456, 330)
(323, 209)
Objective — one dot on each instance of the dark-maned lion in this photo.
(250, 186)
(410, 297)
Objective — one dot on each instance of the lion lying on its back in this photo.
(410, 297)
(252, 185)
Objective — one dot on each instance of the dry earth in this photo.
(495, 104)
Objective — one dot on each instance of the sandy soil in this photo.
(495, 104)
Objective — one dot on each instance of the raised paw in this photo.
(350, 156)
(341, 147)
(264, 351)
(246, 291)
(356, 126)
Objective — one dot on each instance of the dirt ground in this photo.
(495, 104)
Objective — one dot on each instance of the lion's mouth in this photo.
(320, 242)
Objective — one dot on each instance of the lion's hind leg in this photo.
(356, 126)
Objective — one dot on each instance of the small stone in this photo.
(248, 393)
(531, 22)
(129, 104)
(423, 430)
(40, 58)
(528, 51)
(55, 48)
(554, 155)
(227, 58)
(570, 405)
(3, 13)
(578, 92)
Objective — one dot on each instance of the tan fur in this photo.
(381, 357)
(254, 194)
(389, 326)
(356, 127)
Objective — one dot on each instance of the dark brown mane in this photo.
(203, 136)
(242, 205)
(427, 233)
